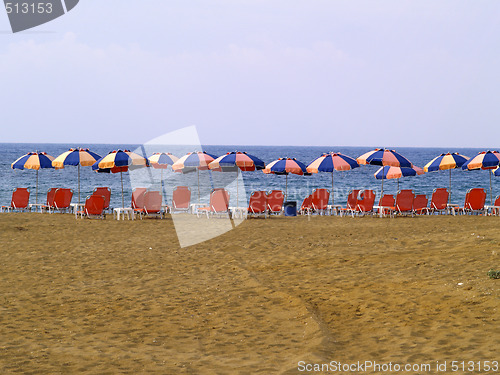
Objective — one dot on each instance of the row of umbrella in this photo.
(393, 164)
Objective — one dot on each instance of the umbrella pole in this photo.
(286, 187)
(449, 195)
(123, 201)
(237, 182)
(332, 191)
(398, 184)
(78, 183)
(36, 196)
(491, 196)
(161, 185)
(198, 171)
(382, 192)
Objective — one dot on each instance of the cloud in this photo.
(382, 84)
(65, 81)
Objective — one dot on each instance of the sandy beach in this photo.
(108, 297)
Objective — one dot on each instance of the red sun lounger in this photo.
(19, 201)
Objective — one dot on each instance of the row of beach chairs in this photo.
(262, 203)
(362, 202)
(58, 200)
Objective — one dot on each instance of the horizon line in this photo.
(248, 145)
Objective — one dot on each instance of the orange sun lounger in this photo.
(219, 204)
(386, 205)
(152, 201)
(137, 201)
(352, 201)
(181, 199)
(474, 202)
(94, 207)
(20, 200)
(306, 206)
(495, 209)
(319, 200)
(62, 200)
(275, 199)
(404, 202)
(439, 201)
(258, 203)
(420, 205)
(365, 201)
(49, 204)
(104, 192)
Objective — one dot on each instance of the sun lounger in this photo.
(257, 204)
(137, 201)
(365, 201)
(420, 205)
(181, 199)
(404, 202)
(386, 205)
(94, 207)
(352, 201)
(306, 206)
(495, 209)
(20, 200)
(152, 201)
(474, 202)
(104, 192)
(219, 204)
(275, 200)
(439, 201)
(319, 200)
(62, 200)
(49, 204)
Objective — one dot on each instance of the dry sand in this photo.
(108, 297)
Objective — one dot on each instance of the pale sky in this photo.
(257, 72)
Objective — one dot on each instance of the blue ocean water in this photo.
(298, 186)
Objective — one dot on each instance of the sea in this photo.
(239, 185)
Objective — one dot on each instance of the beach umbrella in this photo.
(484, 160)
(161, 161)
(78, 157)
(387, 172)
(284, 166)
(446, 161)
(234, 162)
(34, 160)
(194, 161)
(332, 161)
(384, 157)
(119, 161)
(496, 172)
